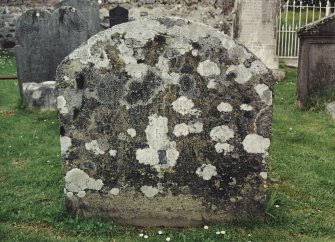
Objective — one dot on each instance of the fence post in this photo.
(328, 6)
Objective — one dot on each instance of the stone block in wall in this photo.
(165, 122)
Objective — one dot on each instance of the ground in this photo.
(301, 192)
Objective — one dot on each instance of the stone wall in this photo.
(215, 13)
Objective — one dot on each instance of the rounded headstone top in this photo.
(167, 106)
(31, 22)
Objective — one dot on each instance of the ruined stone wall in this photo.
(215, 13)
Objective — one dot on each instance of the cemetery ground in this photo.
(301, 189)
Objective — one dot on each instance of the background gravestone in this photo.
(33, 52)
(164, 122)
(89, 9)
(45, 39)
(70, 29)
(118, 15)
(316, 59)
(256, 28)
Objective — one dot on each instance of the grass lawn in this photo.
(301, 190)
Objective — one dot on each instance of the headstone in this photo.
(164, 122)
(70, 31)
(89, 9)
(118, 15)
(33, 52)
(44, 41)
(316, 59)
(256, 28)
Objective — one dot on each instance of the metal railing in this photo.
(292, 16)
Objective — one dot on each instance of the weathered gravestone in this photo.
(316, 59)
(89, 9)
(33, 61)
(33, 52)
(164, 122)
(118, 15)
(256, 28)
(44, 41)
(70, 30)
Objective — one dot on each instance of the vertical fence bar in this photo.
(293, 33)
(279, 31)
(307, 8)
(320, 10)
(296, 41)
(282, 41)
(286, 18)
(300, 14)
(289, 50)
(313, 17)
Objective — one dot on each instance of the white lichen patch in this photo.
(206, 171)
(221, 133)
(147, 156)
(264, 175)
(264, 93)
(246, 107)
(94, 147)
(113, 153)
(126, 54)
(242, 74)
(81, 194)
(65, 144)
(225, 107)
(61, 105)
(195, 128)
(208, 68)
(37, 94)
(256, 144)
(184, 129)
(149, 191)
(184, 106)
(100, 59)
(181, 130)
(77, 180)
(181, 44)
(158, 141)
(195, 52)
(136, 70)
(224, 147)
(114, 191)
(69, 194)
(131, 132)
(212, 84)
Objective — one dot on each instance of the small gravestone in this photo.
(256, 28)
(33, 58)
(33, 53)
(45, 39)
(164, 122)
(118, 15)
(89, 9)
(70, 29)
(316, 59)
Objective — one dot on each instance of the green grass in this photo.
(301, 181)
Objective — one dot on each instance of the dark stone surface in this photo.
(159, 129)
(90, 11)
(316, 59)
(118, 15)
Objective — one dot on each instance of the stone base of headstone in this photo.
(164, 211)
(40, 95)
